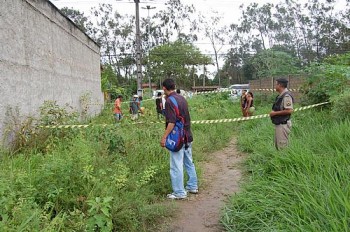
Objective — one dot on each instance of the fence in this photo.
(266, 86)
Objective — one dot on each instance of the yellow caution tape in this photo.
(214, 91)
(76, 126)
(251, 117)
(193, 122)
(273, 90)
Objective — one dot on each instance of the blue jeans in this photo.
(177, 161)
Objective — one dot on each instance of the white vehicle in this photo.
(155, 93)
(236, 90)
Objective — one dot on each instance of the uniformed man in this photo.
(281, 113)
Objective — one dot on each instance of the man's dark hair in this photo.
(251, 94)
(159, 94)
(120, 96)
(169, 84)
(244, 90)
(178, 91)
(283, 82)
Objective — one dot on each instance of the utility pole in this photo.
(149, 46)
(138, 50)
(204, 71)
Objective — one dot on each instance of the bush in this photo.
(341, 105)
(326, 80)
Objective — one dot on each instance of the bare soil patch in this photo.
(201, 212)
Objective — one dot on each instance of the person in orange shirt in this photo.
(118, 108)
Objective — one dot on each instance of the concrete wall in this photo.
(44, 56)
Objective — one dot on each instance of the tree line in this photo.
(269, 40)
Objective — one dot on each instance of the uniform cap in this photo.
(136, 95)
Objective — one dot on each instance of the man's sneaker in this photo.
(193, 191)
(175, 197)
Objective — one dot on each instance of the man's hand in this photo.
(162, 142)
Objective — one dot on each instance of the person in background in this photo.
(142, 108)
(281, 113)
(134, 107)
(182, 158)
(159, 104)
(163, 104)
(118, 108)
(178, 91)
(243, 101)
(249, 105)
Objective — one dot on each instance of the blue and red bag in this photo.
(176, 138)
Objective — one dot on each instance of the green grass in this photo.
(305, 187)
(113, 178)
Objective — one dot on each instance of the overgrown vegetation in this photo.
(306, 186)
(100, 178)
(328, 79)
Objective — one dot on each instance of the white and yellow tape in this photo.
(193, 122)
(273, 90)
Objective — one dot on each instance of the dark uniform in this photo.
(283, 124)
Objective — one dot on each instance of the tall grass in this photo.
(103, 179)
(305, 187)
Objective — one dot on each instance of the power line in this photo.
(211, 54)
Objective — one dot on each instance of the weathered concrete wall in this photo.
(44, 56)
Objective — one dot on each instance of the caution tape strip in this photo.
(193, 122)
(112, 103)
(76, 126)
(251, 117)
(214, 91)
(273, 90)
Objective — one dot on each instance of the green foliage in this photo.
(100, 217)
(341, 105)
(19, 132)
(81, 21)
(85, 101)
(183, 56)
(108, 78)
(302, 188)
(270, 63)
(326, 80)
(102, 179)
(53, 114)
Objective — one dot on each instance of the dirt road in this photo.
(201, 212)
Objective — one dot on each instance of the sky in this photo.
(228, 9)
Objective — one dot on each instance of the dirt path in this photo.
(201, 213)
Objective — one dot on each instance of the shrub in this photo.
(326, 80)
(52, 114)
(341, 105)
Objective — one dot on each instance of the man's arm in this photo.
(282, 112)
(167, 131)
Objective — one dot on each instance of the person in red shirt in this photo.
(118, 108)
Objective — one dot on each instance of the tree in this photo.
(216, 36)
(176, 60)
(78, 18)
(174, 21)
(271, 63)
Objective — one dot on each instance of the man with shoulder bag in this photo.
(178, 123)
